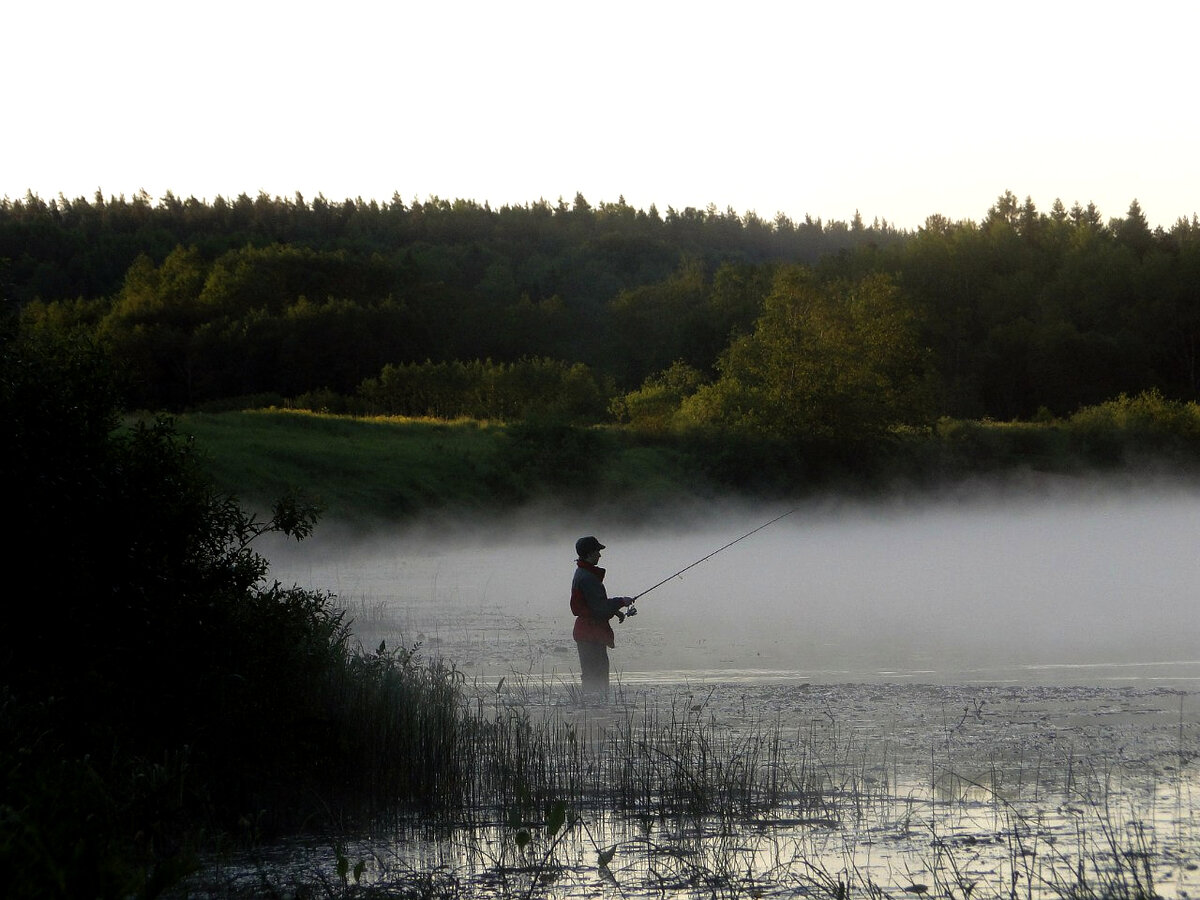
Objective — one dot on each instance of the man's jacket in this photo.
(592, 605)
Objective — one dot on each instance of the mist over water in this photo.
(1080, 582)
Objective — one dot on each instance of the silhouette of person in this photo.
(593, 609)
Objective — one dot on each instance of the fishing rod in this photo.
(634, 598)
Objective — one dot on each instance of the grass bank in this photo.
(359, 469)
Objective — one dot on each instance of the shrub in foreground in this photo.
(154, 683)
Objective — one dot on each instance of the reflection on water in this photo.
(914, 846)
(958, 846)
(970, 792)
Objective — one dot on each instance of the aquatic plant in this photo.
(401, 736)
(871, 819)
(648, 761)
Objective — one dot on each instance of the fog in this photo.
(1059, 581)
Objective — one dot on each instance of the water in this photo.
(994, 787)
(1004, 684)
(1069, 584)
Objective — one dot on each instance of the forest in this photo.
(664, 321)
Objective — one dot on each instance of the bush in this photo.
(654, 407)
(549, 452)
(1145, 424)
(483, 389)
(166, 686)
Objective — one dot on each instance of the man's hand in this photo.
(620, 616)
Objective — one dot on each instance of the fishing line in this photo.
(711, 555)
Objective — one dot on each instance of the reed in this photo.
(660, 795)
(410, 746)
(707, 809)
(646, 761)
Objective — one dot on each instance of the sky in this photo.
(894, 110)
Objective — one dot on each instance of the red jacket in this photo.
(592, 606)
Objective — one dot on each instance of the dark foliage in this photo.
(152, 681)
(548, 452)
(207, 301)
(1022, 311)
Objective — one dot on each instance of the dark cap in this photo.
(586, 545)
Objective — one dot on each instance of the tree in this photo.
(1006, 209)
(1133, 231)
(657, 323)
(653, 407)
(836, 362)
(1086, 219)
(736, 299)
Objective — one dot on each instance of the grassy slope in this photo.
(390, 469)
(350, 467)
(361, 470)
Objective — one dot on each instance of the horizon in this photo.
(297, 197)
(805, 111)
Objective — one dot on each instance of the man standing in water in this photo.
(593, 608)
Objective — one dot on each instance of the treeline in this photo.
(69, 248)
(207, 301)
(1029, 311)
(692, 318)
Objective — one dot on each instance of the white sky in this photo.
(896, 109)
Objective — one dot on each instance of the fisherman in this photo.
(593, 608)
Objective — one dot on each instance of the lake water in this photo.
(1067, 582)
(1000, 688)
